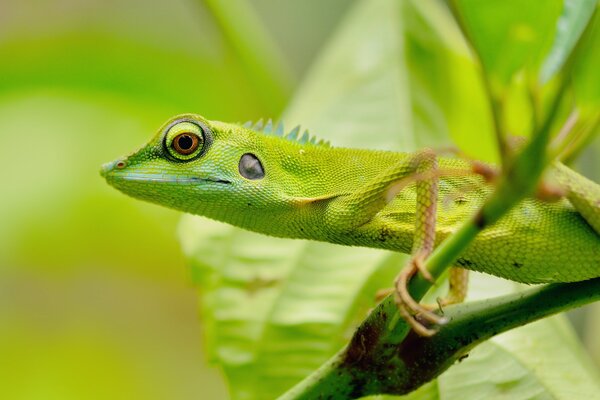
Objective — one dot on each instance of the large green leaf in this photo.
(522, 46)
(571, 24)
(510, 35)
(586, 79)
(400, 79)
(276, 309)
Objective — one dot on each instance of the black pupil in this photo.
(185, 142)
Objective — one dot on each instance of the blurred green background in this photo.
(95, 296)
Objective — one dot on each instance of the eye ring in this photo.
(186, 139)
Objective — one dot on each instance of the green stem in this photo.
(366, 366)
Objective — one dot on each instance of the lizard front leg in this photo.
(423, 244)
(357, 209)
(354, 210)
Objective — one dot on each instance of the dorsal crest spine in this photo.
(278, 130)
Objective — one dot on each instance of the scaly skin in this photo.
(339, 195)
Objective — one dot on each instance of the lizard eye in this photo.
(185, 140)
(186, 143)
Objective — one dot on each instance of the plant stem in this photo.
(364, 367)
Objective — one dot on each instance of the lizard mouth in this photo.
(112, 174)
(164, 179)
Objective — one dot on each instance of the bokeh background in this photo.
(95, 297)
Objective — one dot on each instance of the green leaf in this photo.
(509, 35)
(268, 71)
(570, 26)
(592, 332)
(276, 309)
(540, 360)
(411, 80)
(586, 79)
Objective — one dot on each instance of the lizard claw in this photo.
(409, 309)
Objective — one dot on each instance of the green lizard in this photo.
(292, 186)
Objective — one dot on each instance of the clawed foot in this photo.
(409, 309)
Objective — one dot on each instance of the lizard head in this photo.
(194, 165)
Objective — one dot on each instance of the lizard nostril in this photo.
(111, 166)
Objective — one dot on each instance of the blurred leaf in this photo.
(58, 200)
(276, 309)
(94, 96)
(586, 79)
(268, 71)
(446, 92)
(100, 335)
(592, 332)
(411, 79)
(73, 96)
(521, 51)
(127, 71)
(570, 26)
(509, 35)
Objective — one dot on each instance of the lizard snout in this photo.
(108, 167)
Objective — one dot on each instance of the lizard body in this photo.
(296, 188)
